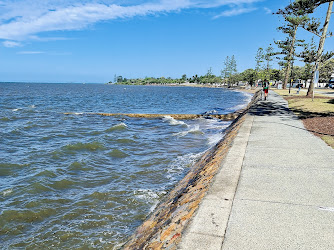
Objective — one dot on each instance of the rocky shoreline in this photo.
(164, 226)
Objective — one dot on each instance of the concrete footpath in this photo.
(275, 189)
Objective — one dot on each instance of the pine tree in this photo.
(302, 7)
(230, 69)
(259, 60)
(233, 65)
(268, 58)
(294, 18)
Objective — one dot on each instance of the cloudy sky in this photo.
(91, 40)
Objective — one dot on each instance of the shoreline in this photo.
(163, 228)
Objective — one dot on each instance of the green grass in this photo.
(329, 140)
(325, 105)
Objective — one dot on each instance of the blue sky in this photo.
(91, 40)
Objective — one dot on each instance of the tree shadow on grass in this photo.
(331, 101)
(302, 114)
(268, 108)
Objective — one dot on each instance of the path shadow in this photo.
(269, 108)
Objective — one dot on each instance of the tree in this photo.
(184, 78)
(294, 18)
(308, 7)
(259, 60)
(326, 70)
(229, 70)
(233, 65)
(225, 72)
(275, 75)
(209, 73)
(321, 46)
(268, 59)
(249, 75)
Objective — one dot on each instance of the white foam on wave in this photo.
(150, 196)
(173, 121)
(213, 130)
(248, 98)
(122, 124)
(177, 166)
(7, 192)
(193, 129)
(214, 139)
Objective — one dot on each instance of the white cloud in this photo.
(26, 19)
(30, 52)
(218, 3)
(235, 12)
(267, 10)
(11, 44)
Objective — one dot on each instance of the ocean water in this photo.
(85, 181)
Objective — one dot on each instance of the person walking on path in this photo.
(265, 89)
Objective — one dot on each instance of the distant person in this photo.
(265, 89)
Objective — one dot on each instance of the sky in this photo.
(92, 40)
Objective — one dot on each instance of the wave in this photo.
(173, 121)
(27, 216)
(79, 166)
(120, 126)
(177, 166)
(7, 169)
(62, 184)
(47, 173)
(7, 192)
(4, 119)
(214, 139)
(193, 130)
(91, 146)
(211, 112)
(37, 188)
(116, 153)
(150, 196)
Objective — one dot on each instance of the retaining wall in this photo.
(164, 227)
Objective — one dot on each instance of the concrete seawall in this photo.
(163, 229)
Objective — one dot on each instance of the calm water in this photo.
(86, 181)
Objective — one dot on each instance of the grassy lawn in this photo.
(305, 107)
(323, 105)
(314, 112)
(285, 92)
(328, 139)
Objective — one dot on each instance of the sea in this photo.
(85, 181)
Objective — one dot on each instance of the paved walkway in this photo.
(274, 191)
